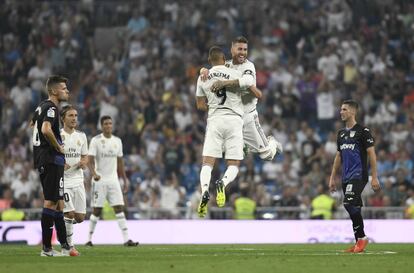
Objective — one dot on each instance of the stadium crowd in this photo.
(138, 62)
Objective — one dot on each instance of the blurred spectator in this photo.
(138, 62)
(322, 205)
(244, 206)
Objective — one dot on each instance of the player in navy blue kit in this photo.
(355, 146)
(49, 160)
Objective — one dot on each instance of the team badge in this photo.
(51, 113)
(79, 143)
(63, 137)
(352, 133)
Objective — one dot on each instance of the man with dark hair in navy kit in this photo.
(355, 145)
(49, 160)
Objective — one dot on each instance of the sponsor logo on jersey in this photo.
(347, 146)
(72, 153)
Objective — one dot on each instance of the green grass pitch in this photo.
(213, 258)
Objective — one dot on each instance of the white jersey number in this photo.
(36, 139)
(222, 94)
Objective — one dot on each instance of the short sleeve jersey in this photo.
(352, 145)
(43, 152)
(106, 152)
(248, 70)
(75, 146)
(226, 101)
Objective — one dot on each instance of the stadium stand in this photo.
(138, 61)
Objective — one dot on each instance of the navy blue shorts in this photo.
(51, 177)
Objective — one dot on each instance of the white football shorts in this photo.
(224, 134)
(75, 199)
(102, 190)
(253, 134)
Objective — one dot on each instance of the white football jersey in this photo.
(222, 102)
(106, 152)
(75, 145)
(248, 70)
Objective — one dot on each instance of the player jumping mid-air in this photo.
(253, 135)
(224, 132)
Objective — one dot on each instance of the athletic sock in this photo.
(230, 174)
(61, 229)
(120, 217)
(205, 177)
(357, 221)
(69, 230)
(93, 220)
(48, 216)
(358, 225)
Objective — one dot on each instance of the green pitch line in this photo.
(213, 258)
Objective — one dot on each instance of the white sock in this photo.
(120, 217)
(205, 177)
(230, 174)
(92, 224)
(69, 230)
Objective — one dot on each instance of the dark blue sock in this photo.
(48, 216)
(61, 229)
(357, 221)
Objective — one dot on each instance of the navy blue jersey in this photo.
(43, 152)
(352, 145)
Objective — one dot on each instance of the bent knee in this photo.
(79, 217)
(70, 214)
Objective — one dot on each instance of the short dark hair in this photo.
(352, 104)
(65, 109)
(103, 118)
(53, 80)
(240, 39)
(215, 53)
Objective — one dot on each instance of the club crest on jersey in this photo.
(79, 143)
(352, 134)
(51, 113)
(63, 137)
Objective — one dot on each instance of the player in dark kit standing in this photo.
(49, 160)
(355, 145)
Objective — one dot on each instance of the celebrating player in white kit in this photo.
(254, 137)
(224, 133)
(105, 162)
(76, 151)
